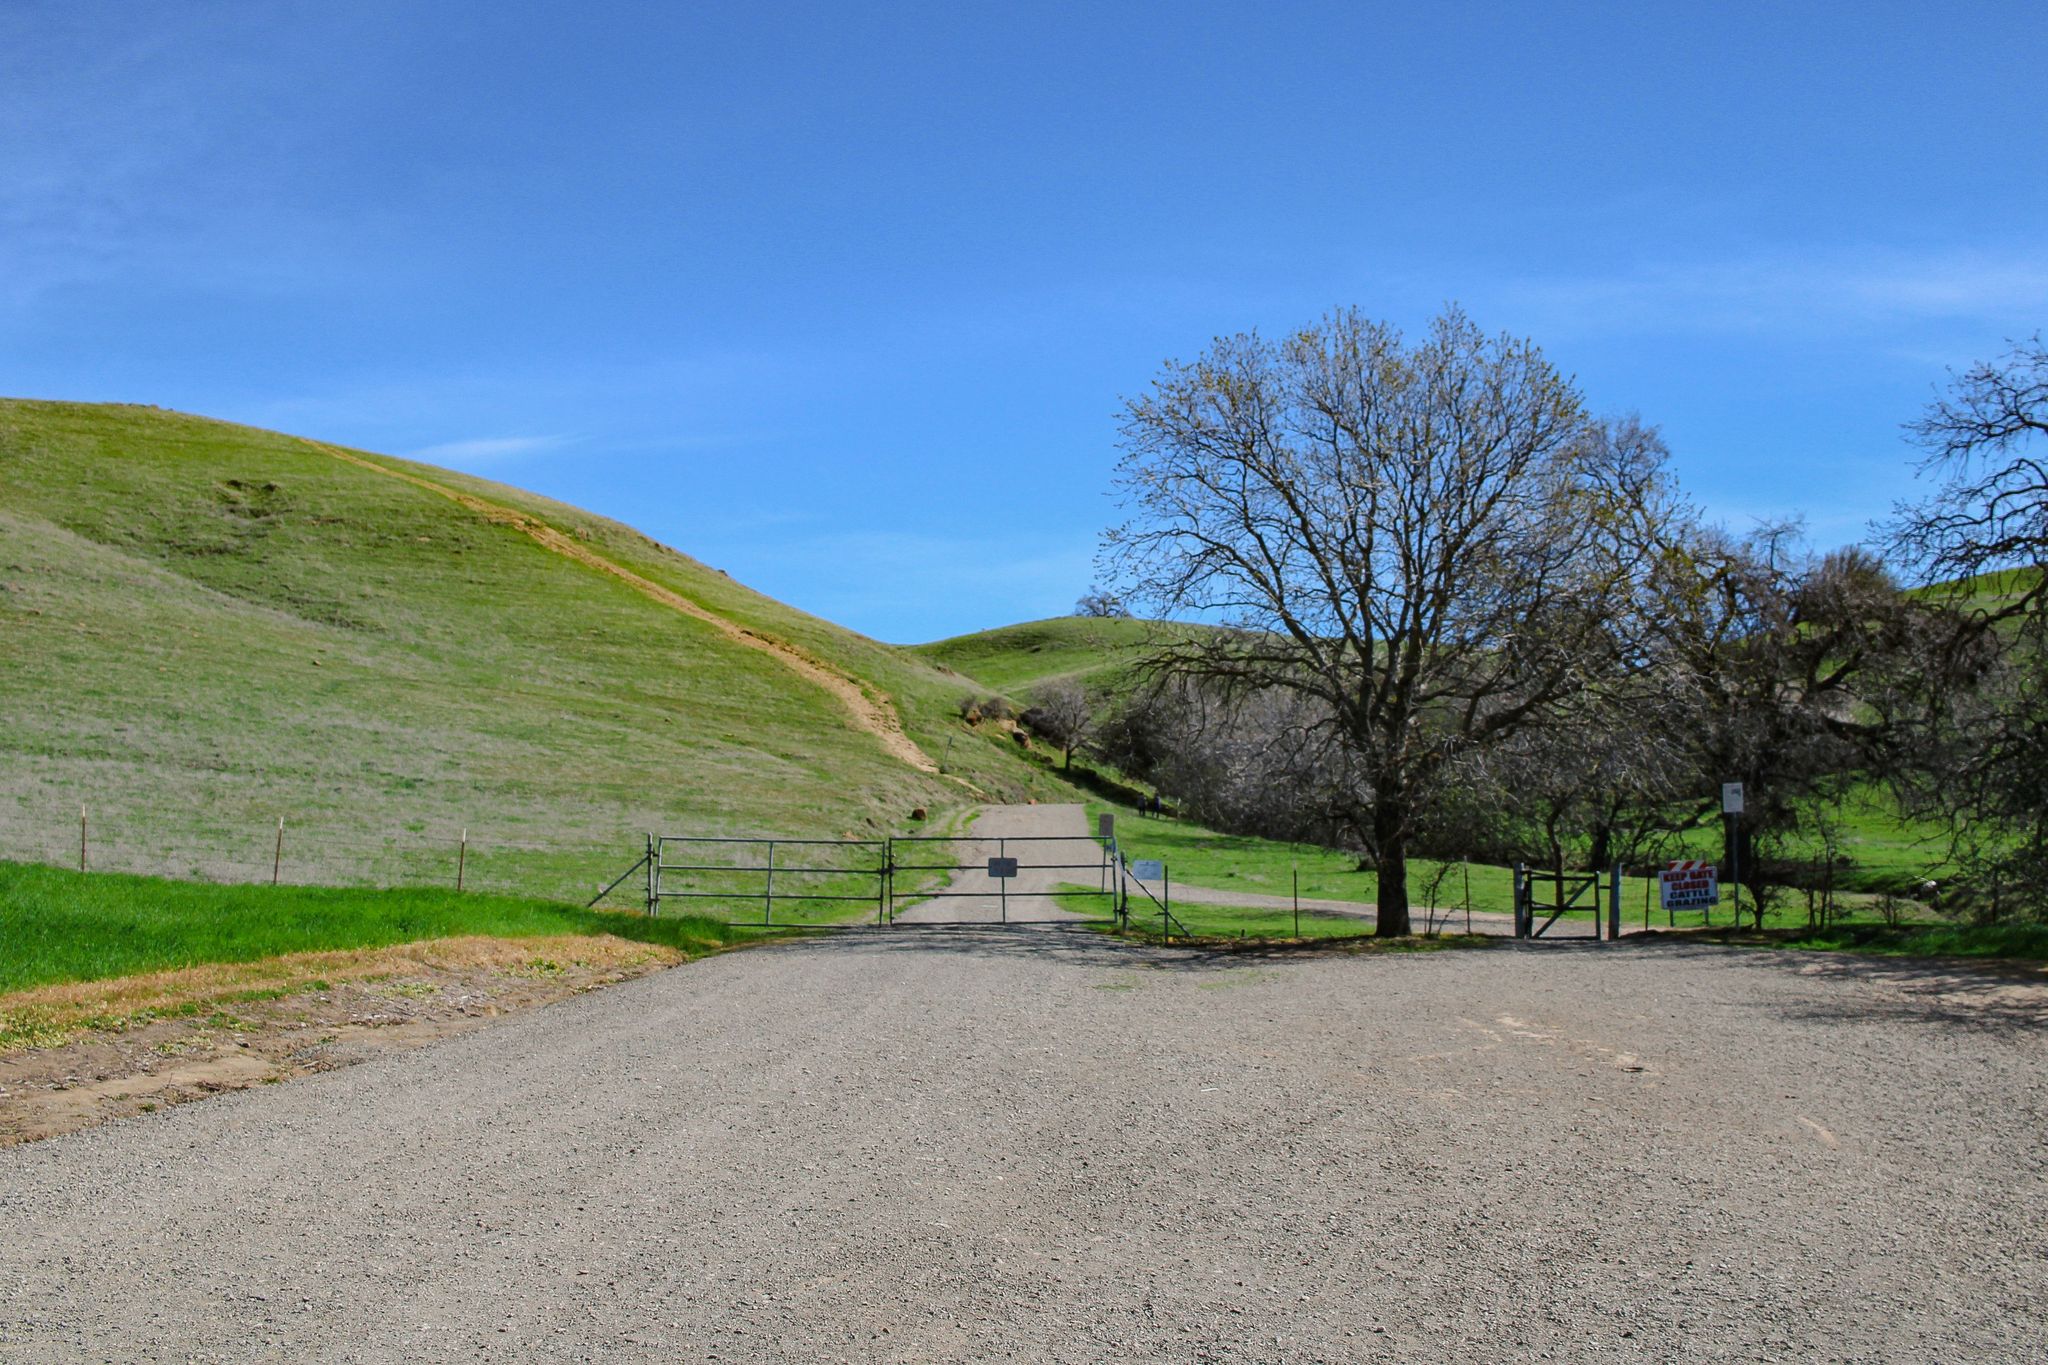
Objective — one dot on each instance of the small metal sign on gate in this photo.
(1002, 867)
(1148, 869)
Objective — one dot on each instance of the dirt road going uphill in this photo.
(1038, 1145)
(1052, 848)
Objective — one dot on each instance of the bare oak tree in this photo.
(1064, 713)
(1786, 671)
(1989, 440)
(1097, 603)
(1432, 541)
(1980, 541)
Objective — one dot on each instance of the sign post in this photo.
(1690, 884)
(1731, 811)
(1002, 869)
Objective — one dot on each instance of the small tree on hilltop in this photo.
(1096, 602)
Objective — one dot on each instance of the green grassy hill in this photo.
(1094, 651)
(204, 627)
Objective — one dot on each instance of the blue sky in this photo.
(843, 299)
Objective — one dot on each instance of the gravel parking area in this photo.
(1035, 1144)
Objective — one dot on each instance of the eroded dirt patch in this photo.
(82, 1054)
(870, 710)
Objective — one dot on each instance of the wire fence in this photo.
(567, 861)
(323, 850)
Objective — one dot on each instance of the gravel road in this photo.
(1034, 1144)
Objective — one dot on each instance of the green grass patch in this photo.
(1196, 856)
(2021, 942)
(59, 926)
(1223, 921)
(1240, 924)
(1887, 850)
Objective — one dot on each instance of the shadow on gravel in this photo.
(1069, 944)
(1983, 996)
(1078, 945)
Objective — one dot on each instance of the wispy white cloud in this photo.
(111, 156)
(1862, 291)
(488, 450)
(912, 586)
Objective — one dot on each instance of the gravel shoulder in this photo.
(1038, 1144)
(133, 1045)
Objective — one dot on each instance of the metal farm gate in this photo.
(782, 883)
(769, 883)
(1550, 894)
(974, 872)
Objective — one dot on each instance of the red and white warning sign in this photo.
(1692, 884)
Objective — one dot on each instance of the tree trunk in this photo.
(1603, 848)
(1390, 835)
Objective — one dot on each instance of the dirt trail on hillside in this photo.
(871, 711)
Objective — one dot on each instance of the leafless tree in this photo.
(1611, 769)
(1096, 602)
(1432, 542)
(1802, 669)
(1064, 713)
(1980, 543)
(1988, 439)
(1249, 761)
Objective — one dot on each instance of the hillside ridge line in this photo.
(872, 713)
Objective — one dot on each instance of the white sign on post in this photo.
(1731, 798)
(1105, 826)
(1690, 885)
(1148, 869)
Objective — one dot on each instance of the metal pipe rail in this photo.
(657, 864)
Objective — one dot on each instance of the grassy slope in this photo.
(205, 626)
(1094, 651)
